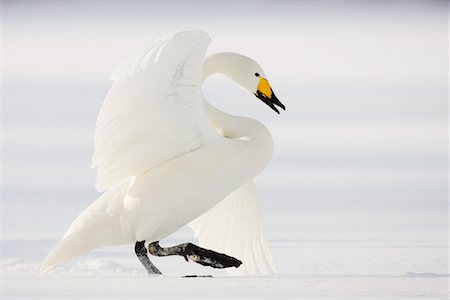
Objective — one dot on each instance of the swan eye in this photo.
(257, 74)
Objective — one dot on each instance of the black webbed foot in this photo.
(141, 253)
(196, 254)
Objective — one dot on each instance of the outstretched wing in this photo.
(234, 227)
(154, 111)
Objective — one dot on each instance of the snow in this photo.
(307, 269)
(349, 249)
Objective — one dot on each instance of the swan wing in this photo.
(234, 227)
(154, 110)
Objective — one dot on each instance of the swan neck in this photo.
(249, 139)
(226, 63)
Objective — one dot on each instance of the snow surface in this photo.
(307, 269)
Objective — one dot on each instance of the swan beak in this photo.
(267, 96)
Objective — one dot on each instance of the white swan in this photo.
(166, 158)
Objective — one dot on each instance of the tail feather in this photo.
(97, 226)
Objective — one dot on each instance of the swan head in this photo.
(247, 73)
(265, 94)
(253, 79)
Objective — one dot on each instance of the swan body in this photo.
(165, 157)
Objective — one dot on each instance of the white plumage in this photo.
(234, 226)
(152, 114)
(166, 158)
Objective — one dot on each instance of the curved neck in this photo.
(226, 63)
(252, 141)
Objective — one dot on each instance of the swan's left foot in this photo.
(141, 253)
(197, 254)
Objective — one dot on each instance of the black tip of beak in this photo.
(271, 102)
(277, 102)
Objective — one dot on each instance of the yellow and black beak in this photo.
(266, 94)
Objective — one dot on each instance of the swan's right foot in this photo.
(141, 253)
(196, 254)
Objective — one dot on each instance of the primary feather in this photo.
(234, 226)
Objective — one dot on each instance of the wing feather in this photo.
(154, 111)
(234, 227)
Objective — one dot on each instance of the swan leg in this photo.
(141, 253)
(197, 254)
